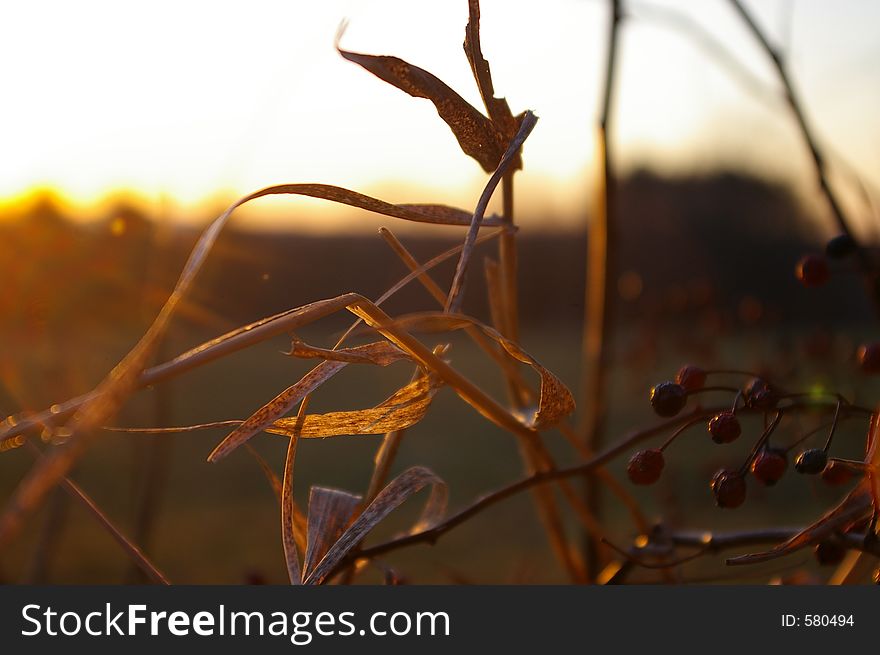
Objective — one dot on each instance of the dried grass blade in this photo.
(299, 520)
(413, 265)
(421, 270)
(403, 409)
(497, 108)
(519, 392)
(390, 498)
(526, 126)
(467, 390)
(856, 505)
(477, 136)
(380, 353)
(246, 336)
(387, 451)
(288, 507)
(555, 400)
(273, 480)
(136, 554)
(382, 461)
(510, 370)
(276, 408)
(435, 214)
(330, 512)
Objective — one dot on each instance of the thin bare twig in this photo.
(136, 554)
(589, 467)
(536, 479)
(818, 159)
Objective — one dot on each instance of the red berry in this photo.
(812, 271)
(769, 465)
(830, 552)
(692, 378)
(729, 489)
(869, 357)
(759, 394)
(836, 474)
(645, 466)
(724, 427)
(668, 398)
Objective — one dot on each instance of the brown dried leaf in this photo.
(498, 109)
(418, 213)
(555, 400)
(381, 353)
(476, 134)
(330, 512)
(276, 408)
(390, 498)
(404, 408)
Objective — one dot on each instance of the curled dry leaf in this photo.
(477, 135)
(403, 409)
(380, 353)
(331, 511)
(555, 400)
(390, 498)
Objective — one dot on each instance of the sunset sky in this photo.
(194, 101)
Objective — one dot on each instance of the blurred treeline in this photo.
(719, 249)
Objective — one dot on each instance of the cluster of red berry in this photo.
(766, 463)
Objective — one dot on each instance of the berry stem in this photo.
(736, 400)
(713, 388)
(834, 422)
(679, 431)
(732, 371)
(762, 441)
